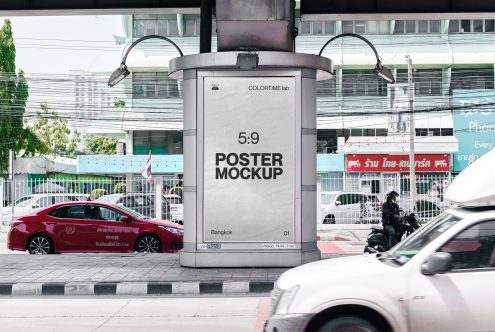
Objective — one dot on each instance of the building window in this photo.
(158, 142)
(475, 26)
(434, 132)
(358, 27)
(427, 82)
(315, 27)
(155, 26)
(326, 88)
(416, 26)
(481, 78)
(362, 83)
(154, 85)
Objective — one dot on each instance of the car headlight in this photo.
(172, 229)
(285, 300)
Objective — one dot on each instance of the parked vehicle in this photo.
(426, 209)
(92, 227)
(377, 240)
(27, 204)
(348, 207)
(438, 279)
(144, 203)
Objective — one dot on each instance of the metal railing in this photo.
(346, 199)
(161, 198)
(357, 198)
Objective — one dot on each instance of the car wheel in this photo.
(148, 243)
(348, 324)
(40, 244)
(330, 219)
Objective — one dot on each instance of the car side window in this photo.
(45, 201)
(103, 213)
(344, 199)
(61, 199)
(69, 212)
(127, 201)
(474, 248)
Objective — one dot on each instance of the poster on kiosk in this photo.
(249, 161)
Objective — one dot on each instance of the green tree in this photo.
(54, 133)
(13, 97)
(97, 144)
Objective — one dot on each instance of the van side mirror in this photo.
(337, 203)
(439, 262)
(35, 206)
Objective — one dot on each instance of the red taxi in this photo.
(92, 227)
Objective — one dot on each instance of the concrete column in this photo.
(129, 183)
(158, 198)
(1, 199)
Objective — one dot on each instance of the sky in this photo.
(49, 48)
(59, 44)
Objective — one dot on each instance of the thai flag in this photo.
(146, 172)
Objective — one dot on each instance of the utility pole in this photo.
(11, 176)
(412, 133)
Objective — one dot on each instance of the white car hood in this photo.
(330, 269)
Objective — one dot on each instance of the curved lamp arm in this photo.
(379, 69)
(122, 72)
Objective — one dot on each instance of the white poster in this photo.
(249, 144)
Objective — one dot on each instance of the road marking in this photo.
(262, 316)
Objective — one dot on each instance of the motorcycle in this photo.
(377, 240)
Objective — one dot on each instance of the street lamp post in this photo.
(122, 72)
(379, 69)
(412, 133)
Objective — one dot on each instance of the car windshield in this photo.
(327, 199)
(131, 212)
(406, 250)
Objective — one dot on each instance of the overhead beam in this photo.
(396, 9)
(100, 7)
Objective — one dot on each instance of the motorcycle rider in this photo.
(391, 216)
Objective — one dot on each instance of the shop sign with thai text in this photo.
(396, 163)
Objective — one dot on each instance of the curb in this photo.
(137, 288)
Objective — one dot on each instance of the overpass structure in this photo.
(332, 9)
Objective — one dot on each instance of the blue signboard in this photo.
(474, 125)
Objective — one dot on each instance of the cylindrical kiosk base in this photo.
(249, 158)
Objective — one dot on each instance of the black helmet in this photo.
(391, 194)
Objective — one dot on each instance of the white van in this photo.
(438, 279)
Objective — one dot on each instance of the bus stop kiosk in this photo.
(249, 157)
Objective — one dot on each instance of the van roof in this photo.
(475, 186)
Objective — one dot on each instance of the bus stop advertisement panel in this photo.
(249, 159)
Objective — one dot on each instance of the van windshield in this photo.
(406, 250)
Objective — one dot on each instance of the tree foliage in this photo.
(97, 144)
(13, 97)
(54, 133)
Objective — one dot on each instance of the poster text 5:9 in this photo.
(246, 138)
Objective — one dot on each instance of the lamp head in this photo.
(118, 75)
(384, 73)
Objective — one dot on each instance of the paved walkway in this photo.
(136, 273)
(127, 274)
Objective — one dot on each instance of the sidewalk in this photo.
(139, 273)
(127, 274)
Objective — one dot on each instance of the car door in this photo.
(70, 228)
(462, 299)
(112, 234)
